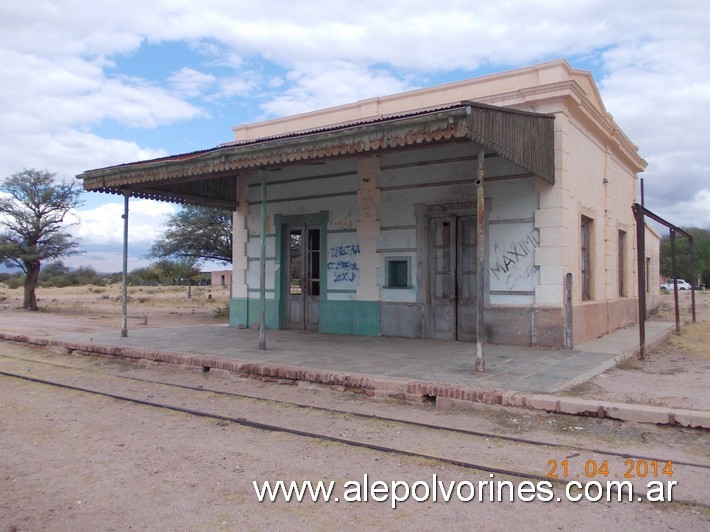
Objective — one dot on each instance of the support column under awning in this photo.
(480, 248)
(262, 267)
(124, 288)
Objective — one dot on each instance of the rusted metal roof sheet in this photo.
(526, 139)
(206, 177)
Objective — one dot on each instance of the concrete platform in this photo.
(415, 370)
(507, 367)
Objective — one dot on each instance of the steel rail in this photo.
(641, 495)
(277, 428)
(417, 424)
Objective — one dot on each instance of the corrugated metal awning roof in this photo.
(207, 177)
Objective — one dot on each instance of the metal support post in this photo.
(569, 313)
(641, 271)
(692, 276)
(674, 268)
(480, 248)
(262, 268)
(124, 288)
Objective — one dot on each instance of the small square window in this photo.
(397, 273)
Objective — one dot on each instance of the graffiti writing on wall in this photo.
(515, 261)
(342, 265)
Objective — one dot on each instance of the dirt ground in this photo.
(72, 461)
(98, 308)
(676, 374)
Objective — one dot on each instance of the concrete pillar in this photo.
(611, 236)
(240, 237)
(553, 219)
(368, 229)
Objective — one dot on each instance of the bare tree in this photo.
(32, 228)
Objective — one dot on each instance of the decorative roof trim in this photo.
(514, 134)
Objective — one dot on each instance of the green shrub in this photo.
(14, 282)
(222, 312)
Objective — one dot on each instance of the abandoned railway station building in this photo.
(498, 206)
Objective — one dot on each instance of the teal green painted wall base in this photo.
(336, 317)
(238, 313)
(244, 313)
(366, 318)
(361, 318)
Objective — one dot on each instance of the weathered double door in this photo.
(303, 276)
(452, 277)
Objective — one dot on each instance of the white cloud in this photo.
(103, 225)
(190, 82)
(47, 104)
(61, 80)
(691, 213)
(66, 152)
(237, 85)
(43, 93)
(108, 261)
(657, 86)
(100, 233)
(81, 28)
(328, 84)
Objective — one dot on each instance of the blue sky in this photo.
(91, 83)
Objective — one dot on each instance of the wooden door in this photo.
(466, 260)
(442, 285)
(452, 278)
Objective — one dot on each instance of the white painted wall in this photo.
(533, 227)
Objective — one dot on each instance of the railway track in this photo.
(326, 424)
(428, 426)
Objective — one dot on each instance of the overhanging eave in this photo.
(526, 139)
(208, 177)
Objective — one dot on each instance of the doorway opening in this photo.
(303, 281)
(452, 277)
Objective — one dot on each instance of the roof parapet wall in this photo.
(554, 85)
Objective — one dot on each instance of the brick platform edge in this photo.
(444, 395)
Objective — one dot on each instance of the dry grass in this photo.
(159, 296)
(673, 374)
(95, 307)
(666, 308)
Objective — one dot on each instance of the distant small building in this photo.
(221, 278)
(454, 212)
